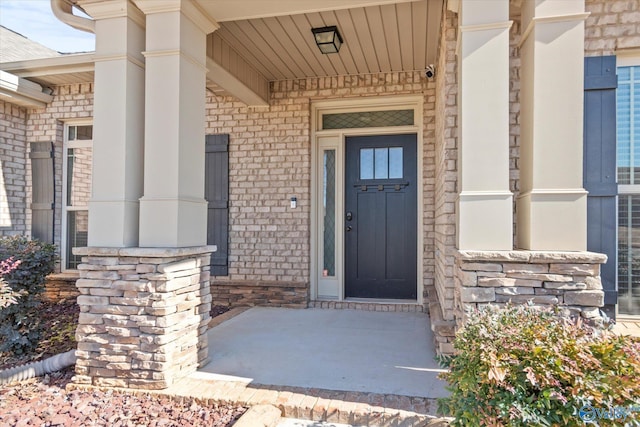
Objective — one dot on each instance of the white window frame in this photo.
(332, 288)
(625, 59)
(85, 143)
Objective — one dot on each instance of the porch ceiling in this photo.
(381, 36)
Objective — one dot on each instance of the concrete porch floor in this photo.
(346, 350)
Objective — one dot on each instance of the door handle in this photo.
(349, 228)
(349, 216)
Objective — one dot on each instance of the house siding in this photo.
(270, 161)
(13, 177)
(70, 102)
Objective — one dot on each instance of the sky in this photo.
(35, 20)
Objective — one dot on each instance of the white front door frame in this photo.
(332, 288)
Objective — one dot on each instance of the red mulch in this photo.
(45, 402)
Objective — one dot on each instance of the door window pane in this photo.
(80, 133)
(78, 176)
(382, 163)
(77, 233)
(395, 162)
(329, 204)
(366, 163)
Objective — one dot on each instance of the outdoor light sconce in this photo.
(328, 39)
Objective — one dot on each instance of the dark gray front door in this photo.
(381, 217)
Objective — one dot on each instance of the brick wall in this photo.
(446, 175)
(270, 158)
(612, 25)
(70, 102)
(13, 158)
(61, 286)
(514, 118)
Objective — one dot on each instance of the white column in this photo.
(551, 209)
(485, 204)
(173, 212)
(118, 124)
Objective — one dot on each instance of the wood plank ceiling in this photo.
(382, 38)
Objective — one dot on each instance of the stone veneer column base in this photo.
(569, 280)
(144, 315)
(249, 293)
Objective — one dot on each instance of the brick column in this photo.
(144, 315)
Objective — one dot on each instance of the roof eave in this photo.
(19, 91)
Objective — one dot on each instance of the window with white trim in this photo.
(77, 160)
(628, 159)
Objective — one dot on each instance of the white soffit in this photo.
(383, 36)
(234, 10)
(65, 69)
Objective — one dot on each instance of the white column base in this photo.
(173, 223)
(481, 219)
(552, 220)
(110, 223)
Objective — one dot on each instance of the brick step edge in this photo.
(368, 409)
(259, 416)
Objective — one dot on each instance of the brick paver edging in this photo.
(357, 408)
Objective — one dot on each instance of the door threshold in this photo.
(364, 304)
(382, 301)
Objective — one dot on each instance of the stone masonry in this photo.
(570, 280)
(144, 314)
(260, 293)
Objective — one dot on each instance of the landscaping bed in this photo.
(45, 401)
(59, 321)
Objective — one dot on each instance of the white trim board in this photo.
(333, 288)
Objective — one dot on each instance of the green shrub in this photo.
(19, 323)
(523, 366)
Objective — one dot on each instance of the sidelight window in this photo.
(329, 218)
(78, 156)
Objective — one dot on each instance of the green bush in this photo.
(522, 366)
(19, 323)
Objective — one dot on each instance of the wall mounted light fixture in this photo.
(328, 39)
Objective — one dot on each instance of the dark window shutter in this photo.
(600, 165)
(217, 196)
(43, 192)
